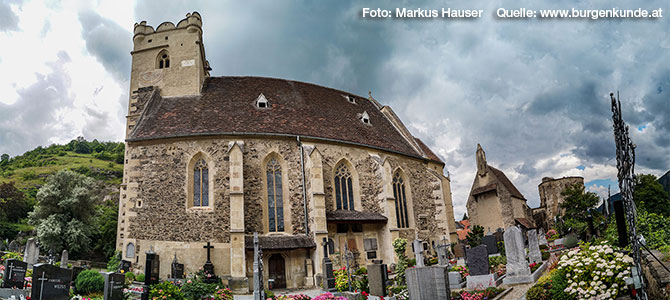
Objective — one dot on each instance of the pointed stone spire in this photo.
(481, 161)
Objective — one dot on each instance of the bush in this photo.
(537, 292)
(195, 289)
(341, 280)
(166, 290)
(89, 282)
(571, 241)
(140, 277)
(130, 277)
(558, 285)
(224, 294)
(114, 262)
(495, 261)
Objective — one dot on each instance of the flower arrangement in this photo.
(290, 297)
(328, 296)
(595, 270)
(341, 279)
(463, 270)
(166, 291)
(551, 235)
(224, 294)
(489, 293)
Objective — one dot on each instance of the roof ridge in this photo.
(506, 182)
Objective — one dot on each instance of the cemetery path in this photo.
(519, 292)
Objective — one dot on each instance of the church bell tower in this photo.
(170, 57)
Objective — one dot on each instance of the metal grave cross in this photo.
(11, 267)
(42, 279)
(442, 254)
(111, 287)
(208, 247)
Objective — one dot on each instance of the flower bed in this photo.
(489, 293)
(534, 266)
(463, 270)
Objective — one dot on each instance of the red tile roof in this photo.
(226, 106)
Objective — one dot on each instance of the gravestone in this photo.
(534, 253)
(15, 274)
(377, 277)
(50, 283)
(459, 250)
(113, 286)
(13, 246)
(418, 253)
(64, 259)
(490, 242)
(209, 267)
(542, 237)
(328, 275)
(456, 281)
(32, 252)
(151, 271)
(177, 269)
(125, 266)
(477, 260)
(428, 283)
(259, 289)
(517, 265)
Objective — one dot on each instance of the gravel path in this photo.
(519, 292)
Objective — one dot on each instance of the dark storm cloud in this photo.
(33, 119)
(108, 42)
(8, 20)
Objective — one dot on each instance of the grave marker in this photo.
(113, 286)
(32, 252)
(50, 282)
(15, 274)
(64, 259)
(534, 253)
(490, 242)
(177, 269)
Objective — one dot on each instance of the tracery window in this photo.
(200, 184)
(163, 60)
(344, 191)
(275, 197)
(400, 201)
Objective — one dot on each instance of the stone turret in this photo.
(481, 161)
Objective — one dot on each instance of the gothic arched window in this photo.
(275, 196)
(200, 184)
(163, 60)
(400, 201)
(344, 190)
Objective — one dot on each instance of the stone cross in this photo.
(348, 257)
(259, 290)
(208, 247)
(64, 259)
(517, 265)
(418, 253)
(533, 246)
(442, 252)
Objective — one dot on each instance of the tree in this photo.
(13, 205)
(4, 157)
(474, 237)
(577, 206)
(649, 195)
(465, 216)
(63, 216)
(105, 225)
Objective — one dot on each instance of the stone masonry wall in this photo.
(550, 194)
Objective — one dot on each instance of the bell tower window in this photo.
(163, 60)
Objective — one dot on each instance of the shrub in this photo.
(495, 261)
(224, 294)
(595, 270)
(166, 290)
(537, 292)
(130, 277)
(89, 282)
(341, 279)
(140, 277)
(195, 289)
(571, 241)
(269, 294)
(558, 285)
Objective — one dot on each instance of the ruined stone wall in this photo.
(550, 194)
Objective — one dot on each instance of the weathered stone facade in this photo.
(157, 209)
(550, 198)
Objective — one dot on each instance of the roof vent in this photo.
(365, 118)
(262, 102)
(350, 98)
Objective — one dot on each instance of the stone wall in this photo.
(658, 278)
(550, 195)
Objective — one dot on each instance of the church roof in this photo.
(354, 216)
(506, 182)
(227, 106)
(280, 242)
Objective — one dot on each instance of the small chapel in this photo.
(210, 161)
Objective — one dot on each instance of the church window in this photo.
(262, 102)
(275, 197)
(163, 60)
(200, 184)
(400, 201)
(344, 191)
(365, 118)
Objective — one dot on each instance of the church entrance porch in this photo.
(276, 272)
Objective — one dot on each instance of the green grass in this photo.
(33, 177)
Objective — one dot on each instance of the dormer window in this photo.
(262, 102)
(349, 98)
(163, 60)
(365, 118)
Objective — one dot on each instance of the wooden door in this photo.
(276, 270)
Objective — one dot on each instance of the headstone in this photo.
(459, 250)
(151, 271)
(477, 260)
(377, 277)
(113, 286)
(125, 266)
(490, 242)
(13, 246)
(418, 253)
(533, 247)
(64, 259)
(542, 237)
(259, 289)
(328, 275)
(428, 283)
(209, 267)
(15, 274)
(50, 283)
(32, 252)
(456, 281)
(517, 266)
(177, 269)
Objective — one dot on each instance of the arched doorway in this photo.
(276, 271)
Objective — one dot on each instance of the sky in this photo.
(532, 92)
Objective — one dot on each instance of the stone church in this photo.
(215, 159)
(494, 201)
